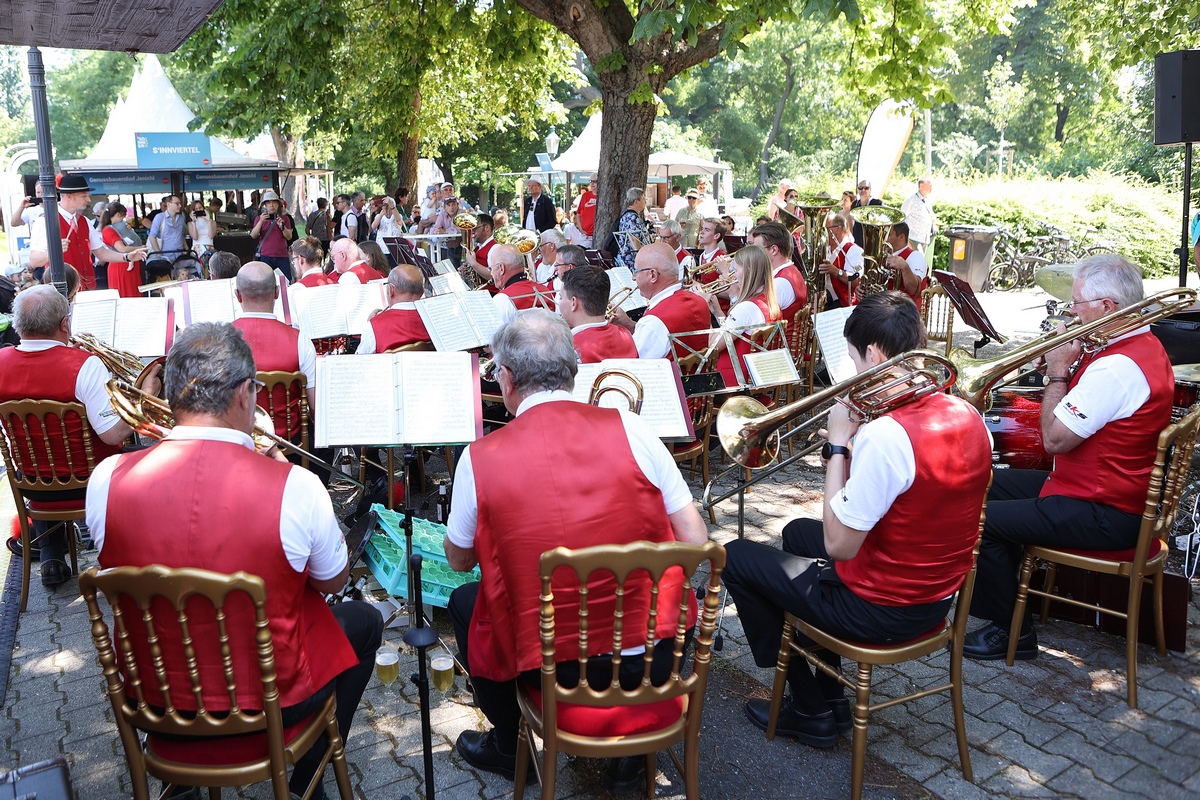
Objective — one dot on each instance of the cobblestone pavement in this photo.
(1057, 726)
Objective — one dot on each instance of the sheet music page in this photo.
(318, 312)
(356, 400)
(620, 278)
(448, 322)
(210, 301)
(357, 301)
(96, 295)
(448, 283)
(437, 398)
(584, 380)
(828, 326)
(282, 306)
(99, 318)
(662, 408)
(771, 368)
(175, 293)
(484, 316)
(142, 326)
(445, 267)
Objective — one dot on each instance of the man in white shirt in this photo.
(918, 213)
(671, 309)
(671, 232)
(910, 272)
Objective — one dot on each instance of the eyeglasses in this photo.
(863, 188)
(1074, 303)
(643, 269)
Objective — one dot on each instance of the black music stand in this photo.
(963, 298)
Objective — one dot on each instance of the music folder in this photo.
(622, 278)
(460, 321)
(144, 326)
(663, 403)
(447, 283)
(215, 301)
(829, 327)
(390, 399)
(338, 309)
(962, 296)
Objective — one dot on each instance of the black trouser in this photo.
(764, 582)
(498, 699)
(1016, 516)
(53, 545)
(363, 625)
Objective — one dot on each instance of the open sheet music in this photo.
(214, 301)
(771, 368)
(447, 283)
(337, 309)
(663, 405)
(398, 398)
(460, 321)
(143, 326)
(622, 278)
(828, 326)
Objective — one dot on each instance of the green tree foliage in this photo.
(16, 121)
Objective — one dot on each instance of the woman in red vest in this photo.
(756, 305)
(125, 278)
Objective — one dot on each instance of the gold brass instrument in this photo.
(467, 222)
(616, 300)
(120, 363)
(876, 222)
(525, 240)
(505, 233)
(814, 209)
(152, 417)
(634, 397)
(716, 287)
(790, 220)
(977, 377)
(483, 285)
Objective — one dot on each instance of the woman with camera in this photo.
(274, 232)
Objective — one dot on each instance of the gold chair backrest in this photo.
(1167, 480)
(41, 453)
(412, 347)
(281, 389)
(937, 312)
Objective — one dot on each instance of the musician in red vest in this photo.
(399, 324)
(477, 260)
(307, 258)
(900, 519)
(1101, 423)
(218, 505)
(791, 290)
(45, 367)
(843, 263)
(910, 274)
(350, 265)
(671, 309)
(617, 483)
(582, 301)
(277, 346)
(671, 232)
(516, 291)
(752, 270)
(80, 241)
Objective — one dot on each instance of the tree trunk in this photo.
(447, 170)
(789, 84)
(1062, 110)
(406, 167)
(624, 154)
(287, 149)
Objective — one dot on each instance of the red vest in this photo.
(894, 283)
(684, 311)
(365, 272)
(725, 363)
(49, 375)
(221, 504)
(521, 292)
(481, 256)
(1113, 465)
(921, 549)
(712, 275)
(398, 326)
(275, 348)
(681, 254)
(792, 275)
(597, 495)
(314, 278)
(604, 341)
(844, 292)
(79, 250)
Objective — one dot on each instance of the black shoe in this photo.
(55, 573)
(841, 714)
(990, 643)
(14, 547)
(624, 774)
(480, 750)
(817, 730)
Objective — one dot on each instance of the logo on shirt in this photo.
(1074, 411)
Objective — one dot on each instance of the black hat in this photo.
(72, 183)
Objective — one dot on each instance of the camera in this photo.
(35, 201)
(198, 214)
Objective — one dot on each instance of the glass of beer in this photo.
(442, 667)
(387, 663)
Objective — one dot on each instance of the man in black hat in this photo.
(80, 241)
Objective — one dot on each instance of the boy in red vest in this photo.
(582, 301)
(608, 466)
(899, 524)
(1101, 423)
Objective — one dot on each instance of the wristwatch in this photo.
(828, 451)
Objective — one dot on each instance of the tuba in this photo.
(814, 209)
(877, 222)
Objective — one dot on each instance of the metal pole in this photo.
(1187, 200)
(41, 128)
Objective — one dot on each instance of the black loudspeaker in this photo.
(1177, 97)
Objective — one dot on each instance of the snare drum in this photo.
(1015, 422)
(1187, 389)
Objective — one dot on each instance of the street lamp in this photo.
(552, 143)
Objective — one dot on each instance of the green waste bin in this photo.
(972, 248)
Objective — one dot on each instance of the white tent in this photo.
(584, 153)
(152, 105)
(668, 163)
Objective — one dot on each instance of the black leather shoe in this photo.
(14, 547)
(990, 643)
(481, 751)
(817, 730)
(55, 573)
(624, 774)
(842, 717)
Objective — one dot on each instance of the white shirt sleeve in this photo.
(308, 529)
(37, 235)
(96, 502)
(366, 345)
(784, 293)
(744, 314)
(95, 238)
(854, 260)
(308, 359)
(464, 509)
(652, 338)
(883, 468)
(504, 307)
(544, 271)
(349, 278)
(916, 262)
(89, 390)
(1111, 388)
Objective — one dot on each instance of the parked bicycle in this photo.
(1015, 268)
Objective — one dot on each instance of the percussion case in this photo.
(46, 780)
(1180, 337)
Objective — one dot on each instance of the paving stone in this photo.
(1035, 731)
(1016, 781)
(1013, 747)
(1138, 746)
(1081, 782)
(951, 785)
(1106, 763)
(1152, 783)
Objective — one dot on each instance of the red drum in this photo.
(1187, 389)
(1015, 422)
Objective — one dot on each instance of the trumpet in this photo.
(716, 287)
(616, 300)
(151, 417)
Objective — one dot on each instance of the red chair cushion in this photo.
(218, 750)
(57, 505)
(1156, 547)
(614, 720)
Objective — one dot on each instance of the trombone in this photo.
(633, 397)
(616, 300)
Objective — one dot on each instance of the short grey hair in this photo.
(508, 255)
(1112, 276)
(672, 227)
(633, 195)
(39, 311)
(406, 279)
(223, 264)
(207, 364)
(256, 281)
(539, 351)
(553, 236)
(573, 254)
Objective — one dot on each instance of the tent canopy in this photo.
(584, 153)
(158, 27)
(666, 163)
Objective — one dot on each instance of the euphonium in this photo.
(876, 222)
(634, 398)
(121, 364)
(466, 222)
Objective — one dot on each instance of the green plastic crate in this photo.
(386, 557)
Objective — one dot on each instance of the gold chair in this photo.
(412, 347)
(869, 656)
(1142, 563)
(184, 719)
(47, 448)
(287, 402)
(609, 721)
(937, 313)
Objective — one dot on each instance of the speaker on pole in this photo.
(1177, 97)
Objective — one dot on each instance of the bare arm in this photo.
(688, 526)
(334, 584)
(461, 559)
(1057, 437)
(841, 541)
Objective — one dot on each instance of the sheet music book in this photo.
(444, 266)
(622, 278)
(215, 301)
(448, 283)
(663, 403)
(460, 321)
(771, 368)
(143, 326)
(828, 326)
(398, 398)
(338, 309)
(96, 295)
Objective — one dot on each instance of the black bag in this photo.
(8, 290)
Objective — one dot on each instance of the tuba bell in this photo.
(815, 209)
(877, 222)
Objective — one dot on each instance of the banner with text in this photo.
(173, 151)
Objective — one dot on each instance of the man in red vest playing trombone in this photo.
(607, 465)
